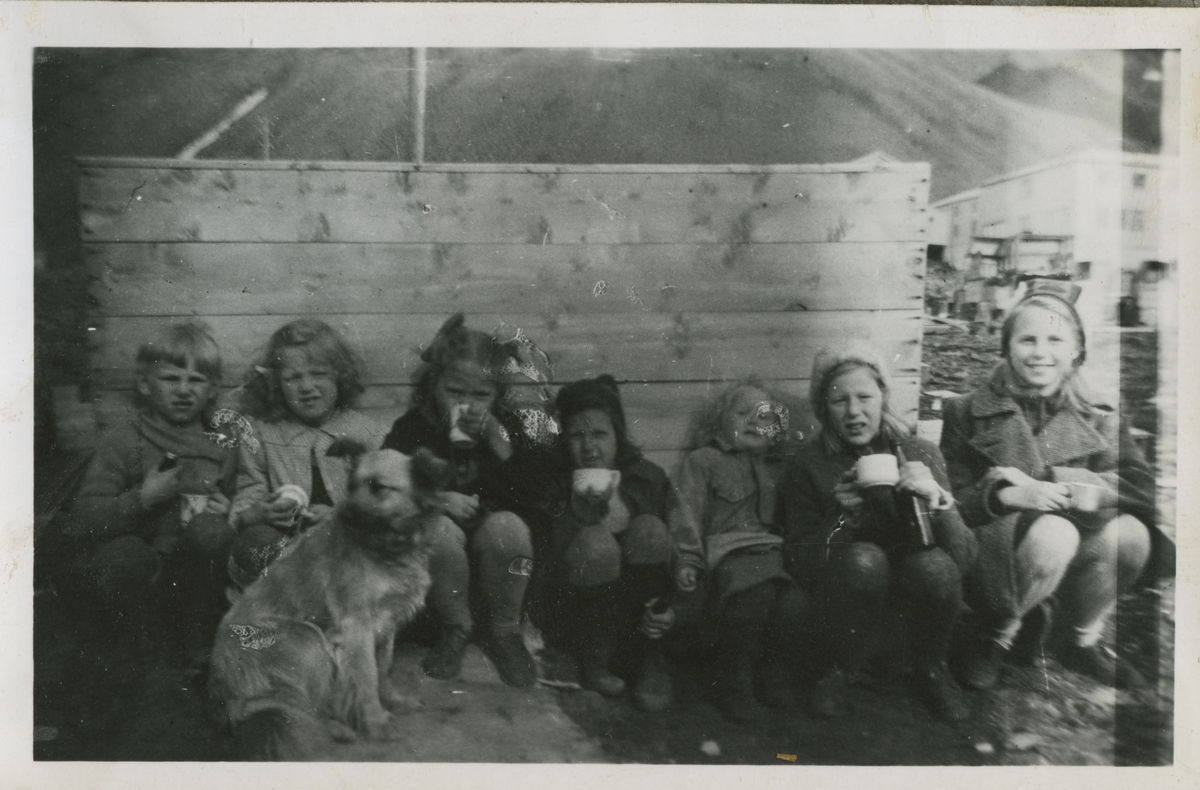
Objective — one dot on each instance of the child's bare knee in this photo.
(646, 541)
(1050, 544)
(1133, 542)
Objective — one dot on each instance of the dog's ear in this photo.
(429, 473)
(342, 448)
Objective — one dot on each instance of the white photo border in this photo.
(25, 26)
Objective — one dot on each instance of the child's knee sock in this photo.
(448, 594)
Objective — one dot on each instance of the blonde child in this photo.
(727, 540)
(300, 393)
(153, 504)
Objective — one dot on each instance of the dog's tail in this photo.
(278, 733)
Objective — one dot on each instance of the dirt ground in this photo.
(123, 694)
(130, 698)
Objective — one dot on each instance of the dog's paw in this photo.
(395, 700)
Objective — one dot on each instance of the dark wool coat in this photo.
(986, 429)
(813, 519)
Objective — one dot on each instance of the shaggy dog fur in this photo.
(305, 652)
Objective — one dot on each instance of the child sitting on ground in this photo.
(727, 542)
(300, 393)
(154, 502)
(462, 412)
(607, 563)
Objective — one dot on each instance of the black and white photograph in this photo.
(682, 403)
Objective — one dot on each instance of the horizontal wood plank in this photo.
(232, 279)
(645, 346)
(920, 169)
(140, 204)
(658, 414)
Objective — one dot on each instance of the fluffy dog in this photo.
(305, 652)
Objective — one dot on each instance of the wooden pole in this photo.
(417, 92)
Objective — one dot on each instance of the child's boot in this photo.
(775, 683)
(654, 688)
(445, 660)
(597, 617)
(596, 675)
(735, 683)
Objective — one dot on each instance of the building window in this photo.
(1026, 223)
(1133, 220)
(1139, 180)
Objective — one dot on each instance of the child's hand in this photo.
(274, 512)
(158, 487)
(217, 503)
(313, 515)
(460, 507)
(848, 495)
(685, 579)
(916, 478)
(496, 437)
(655, 626)
(1039, 497)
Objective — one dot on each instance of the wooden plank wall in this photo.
(672, 278)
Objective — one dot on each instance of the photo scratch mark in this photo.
(134, 194)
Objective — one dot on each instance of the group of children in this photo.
(765, 551)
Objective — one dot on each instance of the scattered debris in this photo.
(1023, 741)
(711, 748)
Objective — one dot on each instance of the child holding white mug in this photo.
(472, 391)
(301, 393)
(849, 547)
(607, 587)
(1058, 493)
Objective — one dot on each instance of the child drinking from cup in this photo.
(855, 540)
(461, 411)
(609, 587)
(155, 499)
(727, 539)
(300, 392)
